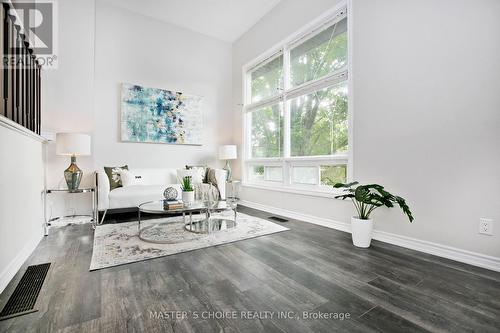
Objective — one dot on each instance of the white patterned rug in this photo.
(118, 244)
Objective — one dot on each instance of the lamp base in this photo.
(73, 175)
(227, 167)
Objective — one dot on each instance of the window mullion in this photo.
(247, 89)
(286, 115)
(286, 180)
(264, 103)
(286, 68)
(248, 135)
(286, 106)
(318, 84)
(286, 129)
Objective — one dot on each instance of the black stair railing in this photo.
(20, 77)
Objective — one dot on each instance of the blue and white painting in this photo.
(160, 116)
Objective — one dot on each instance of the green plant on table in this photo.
(367, 198)
(187, 184)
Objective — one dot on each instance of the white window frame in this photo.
(336, 14)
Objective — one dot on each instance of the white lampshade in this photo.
(227, 152)
(72, 144)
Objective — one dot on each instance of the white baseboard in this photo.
(453, 253)
(13, 267)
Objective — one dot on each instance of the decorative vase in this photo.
(188, 197)
(73, 175)
(229, 172)
(361, 232)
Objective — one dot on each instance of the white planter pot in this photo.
(188, 197)
(361, 232)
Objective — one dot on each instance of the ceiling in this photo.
(223, 19)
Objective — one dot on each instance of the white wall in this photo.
(426, 113)
(135, 49)
(68, 99)
(21, 209)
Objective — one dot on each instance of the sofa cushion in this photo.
(130, 178)
(156, 176)
(134, 195)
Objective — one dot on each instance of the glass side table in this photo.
(90, 190)
(234, 185)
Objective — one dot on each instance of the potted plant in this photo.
(187, 190)
(367, 198)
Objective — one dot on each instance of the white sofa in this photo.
(154, 182)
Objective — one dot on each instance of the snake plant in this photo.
(187, 185)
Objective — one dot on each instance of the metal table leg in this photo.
(45, 222)
(208, 221)
(103, 216)
(94, 218)
(139, 219)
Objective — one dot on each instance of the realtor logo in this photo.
(37, 22)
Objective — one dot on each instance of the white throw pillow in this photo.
(195, 174)
(128, 178)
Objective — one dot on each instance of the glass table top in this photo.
(79, 190)
(156, 207)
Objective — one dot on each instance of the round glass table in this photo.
(202, 217)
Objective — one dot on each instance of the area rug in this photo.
(118, 244)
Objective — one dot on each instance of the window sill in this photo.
(307, 192)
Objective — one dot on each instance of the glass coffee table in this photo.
(207, 219)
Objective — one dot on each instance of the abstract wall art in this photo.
(160, 116)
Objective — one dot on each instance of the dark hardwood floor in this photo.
(307, 269)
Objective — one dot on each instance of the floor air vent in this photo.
(278, 219)
(22, 300)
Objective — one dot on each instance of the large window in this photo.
(296, 111)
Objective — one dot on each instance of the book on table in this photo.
(172, 204)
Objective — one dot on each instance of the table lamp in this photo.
(227, 152)
(73, 144)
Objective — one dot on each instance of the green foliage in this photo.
(267, 80)
(187, 185)
(259, 170)
(318, 121)
(319, 56)
(367, 198)
(267, 132)
(333, 174)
